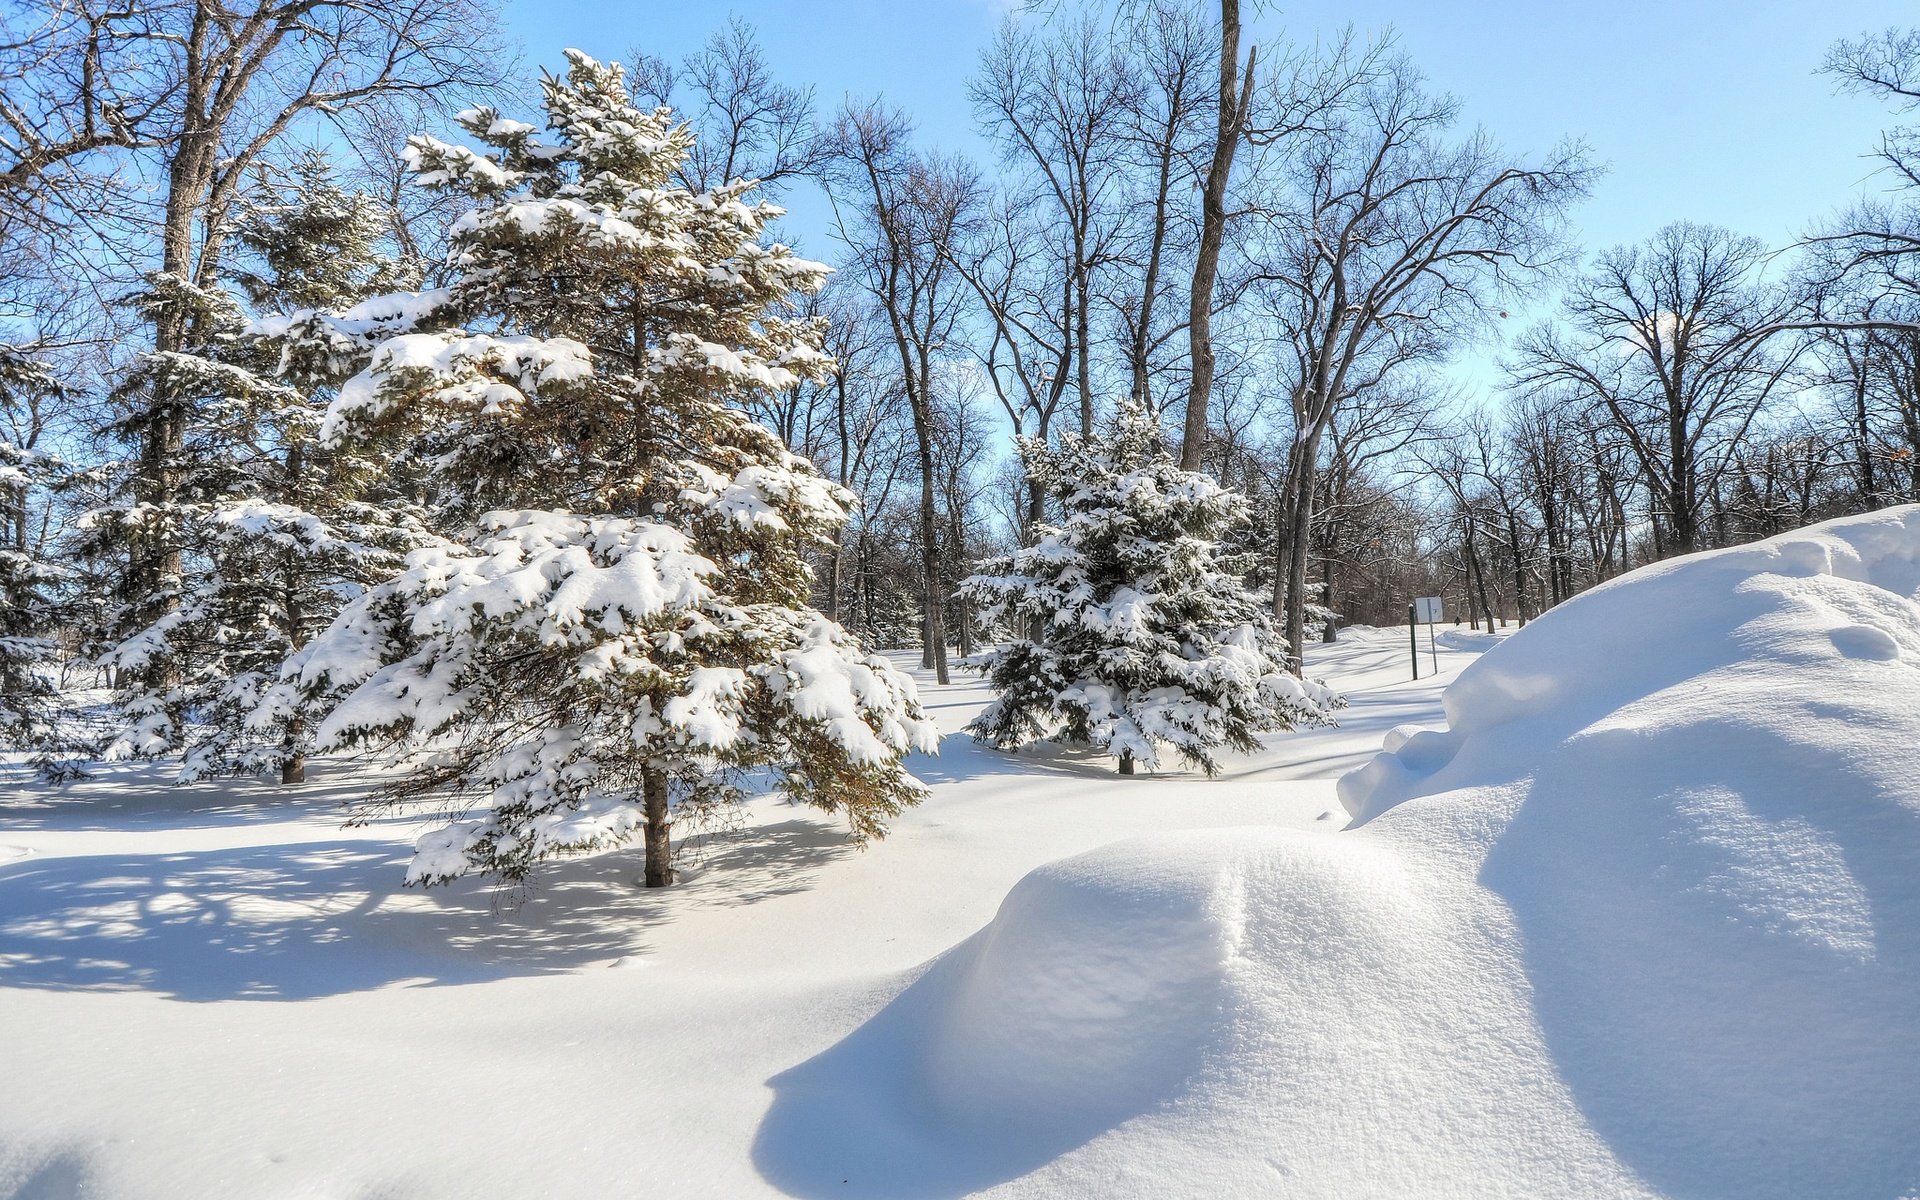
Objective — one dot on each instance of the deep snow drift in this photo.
(1643, 919)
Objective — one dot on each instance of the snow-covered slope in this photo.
(1643, 919)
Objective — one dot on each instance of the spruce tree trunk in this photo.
(293, 764)
(1126, 762)
(653, 789)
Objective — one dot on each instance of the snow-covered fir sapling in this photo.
(619, 629)
(1142, 634)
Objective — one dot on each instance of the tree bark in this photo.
(934, 621)
(654, 794)
(1138, 343)
(1236, 95)
(1297, 513)
(1327, 633)
(1479, 573)
(1863, 436)
(1301, 532)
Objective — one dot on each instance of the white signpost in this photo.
(1428, 610)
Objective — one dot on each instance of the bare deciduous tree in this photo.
(1055, 99)
(896, 210)
(1661, 337)
(1381, 245)
(750, 125)
(1161, 131)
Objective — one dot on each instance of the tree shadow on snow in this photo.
(1727, 972)
(856, 1122)
(61, 1176)
(318, 918)
(961, 758)
(142, 795)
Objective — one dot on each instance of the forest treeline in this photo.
(1277, 247)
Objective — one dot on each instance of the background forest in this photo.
(1282, 249)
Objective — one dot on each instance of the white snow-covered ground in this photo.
(1634, 913)
(1642, 919)
(217, 991)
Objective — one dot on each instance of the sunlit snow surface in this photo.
(1643, 918)
(1639, 914)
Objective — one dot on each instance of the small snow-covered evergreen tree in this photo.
(28, 700)
(619, 629)
(271, 532)
(1142, 633)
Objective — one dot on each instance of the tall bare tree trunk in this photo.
(933, 600)
(1083, 338)
(1477, 574)
(1138, 344)
(154, 563)
(1327, 633)
(1300, 536)
(1863, 438)
(1280, 555)
(1236, 95)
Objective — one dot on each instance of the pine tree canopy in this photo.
(622, 602)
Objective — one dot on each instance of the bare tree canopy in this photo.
(1659, 336)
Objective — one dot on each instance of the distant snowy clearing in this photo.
(1637, 914)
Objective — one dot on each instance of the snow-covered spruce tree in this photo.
(28, 604)
(620, 630)
(1142, 633)
(271, 532)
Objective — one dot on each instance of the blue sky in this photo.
(1708, 110)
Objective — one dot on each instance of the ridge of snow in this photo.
(1642, 920)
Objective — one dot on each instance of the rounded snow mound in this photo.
(1203, 1010)
(1696, 791)
(1643, 919)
